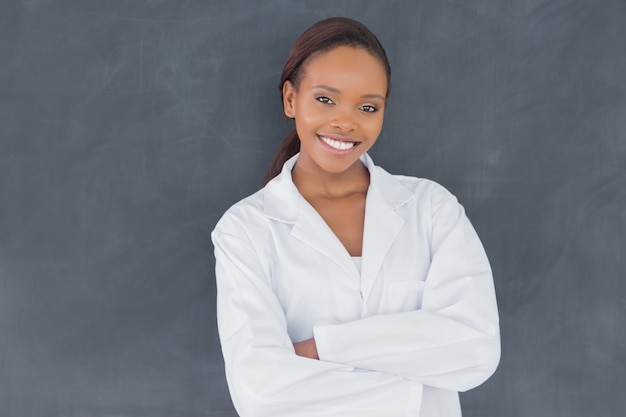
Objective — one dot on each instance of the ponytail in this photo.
(288, 148)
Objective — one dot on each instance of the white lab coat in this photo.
(417, 325)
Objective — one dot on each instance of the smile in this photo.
(337, 144)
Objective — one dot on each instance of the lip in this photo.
(339, 138)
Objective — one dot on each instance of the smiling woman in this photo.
(344, 290)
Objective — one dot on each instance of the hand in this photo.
(306, 349)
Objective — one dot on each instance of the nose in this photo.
(343, 120)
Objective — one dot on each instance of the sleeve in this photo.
(265, 376)
(453, 341)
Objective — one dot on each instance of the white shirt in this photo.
(401, 338)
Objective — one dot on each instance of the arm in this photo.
(452, 342)
(265, 376)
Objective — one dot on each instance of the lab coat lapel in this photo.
(283, 202)
(382, 223)
(311, 229)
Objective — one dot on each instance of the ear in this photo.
(289, 98)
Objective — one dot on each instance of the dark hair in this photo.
(319, 38)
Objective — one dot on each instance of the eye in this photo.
(369, 109)
(324, 99)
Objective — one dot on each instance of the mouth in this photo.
(339, 144)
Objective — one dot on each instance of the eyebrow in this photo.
(335, 90)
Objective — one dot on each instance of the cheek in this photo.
(374, 126)
(309, 117)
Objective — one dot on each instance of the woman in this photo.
(344, 290)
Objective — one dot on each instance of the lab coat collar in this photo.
(284, 203)
(283, 200)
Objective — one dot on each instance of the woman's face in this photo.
(338, 108)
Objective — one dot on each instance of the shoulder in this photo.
(242, 216)
(420, 186)
(421, 190)
(276, 203)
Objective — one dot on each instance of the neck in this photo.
(313, 183)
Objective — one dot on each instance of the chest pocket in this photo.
(403, 295)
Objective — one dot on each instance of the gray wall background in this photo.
(128, 127)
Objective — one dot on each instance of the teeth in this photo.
(340, 146)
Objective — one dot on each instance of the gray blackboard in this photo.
(128, 127)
